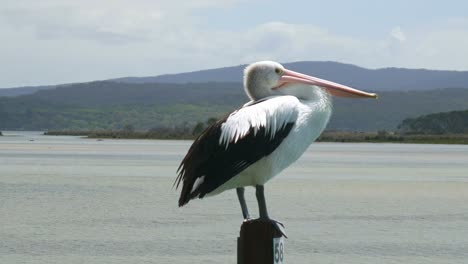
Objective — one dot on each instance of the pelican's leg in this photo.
(259, 192)
(245, 210)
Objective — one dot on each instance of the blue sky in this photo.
(362, 18)
(60, 41)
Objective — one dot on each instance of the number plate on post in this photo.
(278, 250)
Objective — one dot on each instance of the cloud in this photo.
(291, 42)
(110, 26)
(110, 22)
(398, 34)
(55, 41)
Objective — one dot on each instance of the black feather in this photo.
(218, 164)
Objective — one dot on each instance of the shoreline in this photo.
(328, 136)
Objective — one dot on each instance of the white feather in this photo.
(197, 183)
(310, 120)
(272, 114)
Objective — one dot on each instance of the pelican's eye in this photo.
(279, 71)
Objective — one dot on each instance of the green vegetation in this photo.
(50, 117)
(455, 122)
(390, 137)
(157, 133)
(349, 137)
(183, 131)
(439, 128)
(111, 106)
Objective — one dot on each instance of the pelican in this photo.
(287, 112)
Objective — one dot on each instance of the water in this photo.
(75, 200)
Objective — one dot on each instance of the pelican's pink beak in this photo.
(335, 89)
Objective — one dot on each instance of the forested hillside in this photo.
(454, 122)
(110, 105)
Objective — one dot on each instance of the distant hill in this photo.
(387, 79)
(10, 92)
(106, 93)
(454, 122)
(111, 105)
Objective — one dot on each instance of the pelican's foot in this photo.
(277, 224)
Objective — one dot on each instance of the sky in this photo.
(60, 41)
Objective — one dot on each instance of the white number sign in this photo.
(278, 250)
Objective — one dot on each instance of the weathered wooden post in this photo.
(260, 242)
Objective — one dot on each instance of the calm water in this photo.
(74, 200)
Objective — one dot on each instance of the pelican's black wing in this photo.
(234, 143)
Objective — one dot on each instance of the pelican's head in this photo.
(267, 78)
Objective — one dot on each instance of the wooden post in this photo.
(260, 242)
